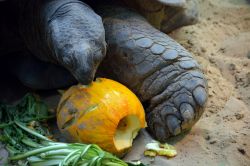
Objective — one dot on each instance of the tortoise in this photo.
(55, 43)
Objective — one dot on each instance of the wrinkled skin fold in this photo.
(65, 41)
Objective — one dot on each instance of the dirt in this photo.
(220, 42)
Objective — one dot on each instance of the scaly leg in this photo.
(161, 72)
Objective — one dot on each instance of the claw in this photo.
(160, 132)
(173, 124)
(200, 96)
(187, 112)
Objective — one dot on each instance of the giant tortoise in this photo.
(53, 43)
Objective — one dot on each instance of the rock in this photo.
(203, 49)
(239, 116)
(248, 55)
(222, 50)
(212, 60)
(190, 42)
(245, 64)
(242, 151)
(3, 155)
(248, 78)
(213, 142)
(233, 141)
(207, 137)
(232, 66)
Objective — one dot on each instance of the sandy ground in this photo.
(221, 44)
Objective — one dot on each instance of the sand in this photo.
(220, 42)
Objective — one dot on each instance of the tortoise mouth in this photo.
(127, 129)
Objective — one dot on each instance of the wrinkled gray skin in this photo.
(68, 39)
(67, 33)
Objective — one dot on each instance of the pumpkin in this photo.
(105, 113)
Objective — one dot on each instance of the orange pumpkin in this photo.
(105, 113)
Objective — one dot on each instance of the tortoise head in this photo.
(77, 39)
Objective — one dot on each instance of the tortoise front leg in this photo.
(160, 71)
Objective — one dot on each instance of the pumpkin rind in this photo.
(91, 114)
